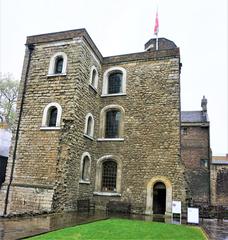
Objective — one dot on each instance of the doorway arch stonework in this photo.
(149, 197)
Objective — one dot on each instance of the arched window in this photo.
(108, 176)
(112, 123)
(109, 172)
(58, 64)
(94, 77)
(89, 125)
(85, 167)
(51, 116)
(114, 81)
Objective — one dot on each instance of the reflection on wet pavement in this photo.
(17, 228)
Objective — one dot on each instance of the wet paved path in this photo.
(216, 230)
(17, 228)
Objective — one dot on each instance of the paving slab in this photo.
(216, 230)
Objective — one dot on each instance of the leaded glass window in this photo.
(115, 83)
(59, 65)
(52, 117)
(109, 170)
(112, 124)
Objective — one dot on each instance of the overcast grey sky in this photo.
(198, 27)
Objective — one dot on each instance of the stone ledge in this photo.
(110, 194)
(89, 137)
(113, 95)
(110, 139)
(32, 185)
(50, 128)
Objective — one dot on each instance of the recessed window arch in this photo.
(114, 81)
(108, 176)
(94, 77)
(85, 168)
(58, 64)
(52, 116)
(89, 125)
(112, 122)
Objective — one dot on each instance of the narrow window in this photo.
(52, 117)
(58, 65)
(115, 83)
(85, 168)
(94, 75)
(109, 170)
(112, 124)
(89, 126)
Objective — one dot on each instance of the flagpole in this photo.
(156, 42)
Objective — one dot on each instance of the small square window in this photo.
(204, 163)
(184, 131)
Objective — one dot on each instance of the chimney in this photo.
(204, 108)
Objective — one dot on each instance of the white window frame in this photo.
(85, 154)
(51, 70)
(105, 81)
(44, 124)
(103, 121)
(86, 126)
(94, 86)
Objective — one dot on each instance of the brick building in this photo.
(104, 128)
(196, 152)
(219, 180)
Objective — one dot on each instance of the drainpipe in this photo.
(30, 48)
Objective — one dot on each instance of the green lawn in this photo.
(125, 229)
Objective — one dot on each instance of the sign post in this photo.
(176, 208)
(193, 215)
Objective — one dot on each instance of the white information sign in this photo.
(193, 215)
(176, 207)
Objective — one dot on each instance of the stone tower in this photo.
(106, 128)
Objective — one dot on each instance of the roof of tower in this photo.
(167, 47)
(163, 44)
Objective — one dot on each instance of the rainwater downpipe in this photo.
(30, 48)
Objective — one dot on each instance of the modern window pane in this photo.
(52, 117)
(59, 65)
(109, 169)
(112, 124)
(115, 83)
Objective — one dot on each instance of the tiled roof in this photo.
(193, 116)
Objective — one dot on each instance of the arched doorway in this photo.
(159, 198)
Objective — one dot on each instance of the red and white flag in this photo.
(156, 26)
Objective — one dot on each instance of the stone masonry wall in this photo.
(219, 187)
(47, 171)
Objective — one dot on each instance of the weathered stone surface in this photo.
(47, 170)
